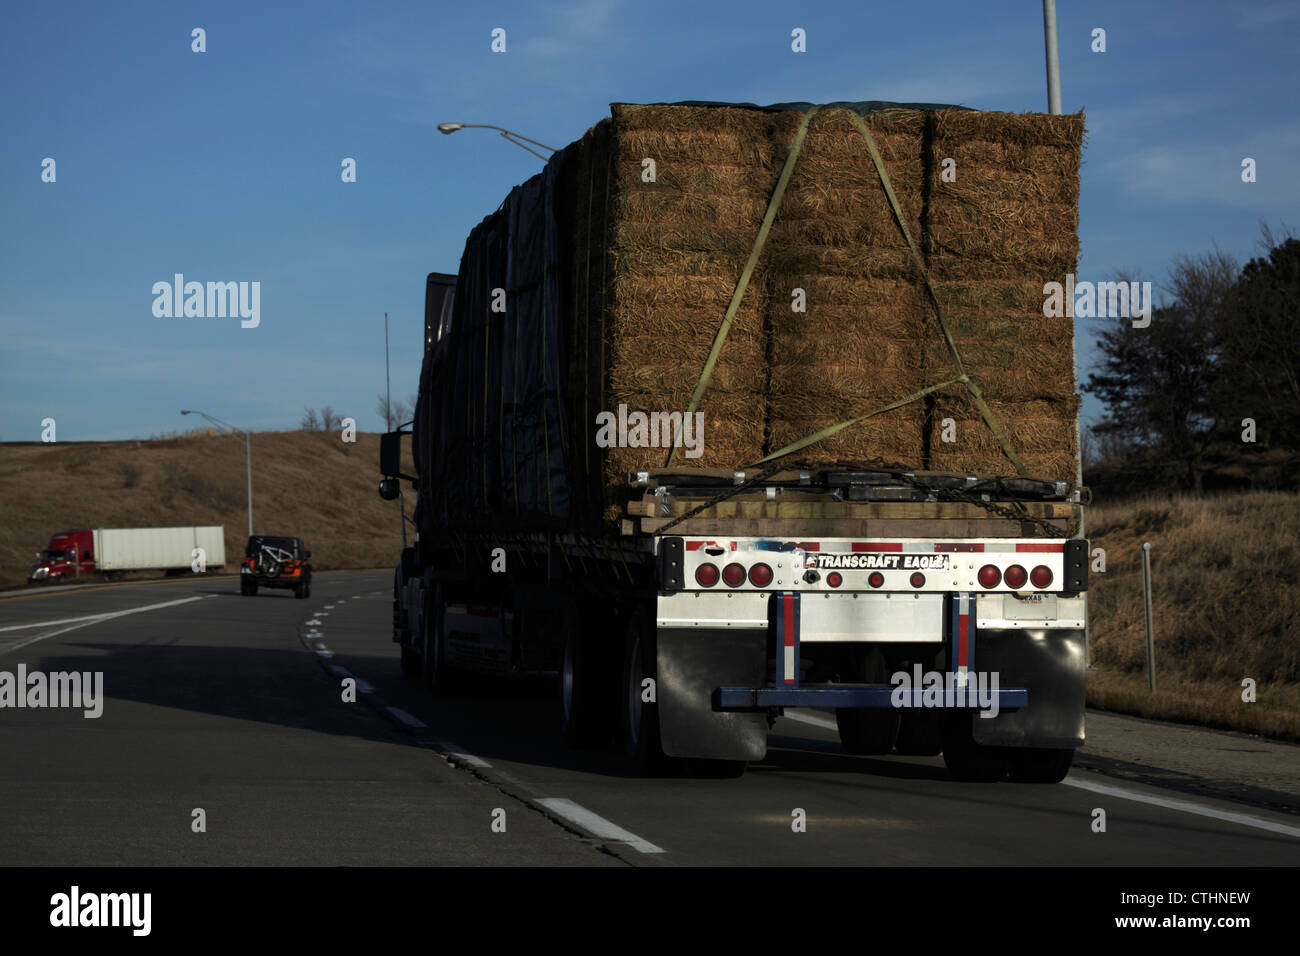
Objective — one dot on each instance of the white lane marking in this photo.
(338, 671)
(825, 723)
(365, 686)
(329, 606)
(455, 750)
(99, 617)
(356, 597)
(406, 718)
(596, 824)
(324, 654)
(314, 623)
(95, 620)
(1183, 805)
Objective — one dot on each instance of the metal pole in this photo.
(1146, 592)
(388, 385)
(1053, 64)
(248, 449)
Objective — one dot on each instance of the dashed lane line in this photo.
(595, 824)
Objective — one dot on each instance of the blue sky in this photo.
(226, 164)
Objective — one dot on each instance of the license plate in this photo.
(1031, 607)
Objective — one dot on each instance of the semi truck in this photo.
(112, 552)
(932, 611)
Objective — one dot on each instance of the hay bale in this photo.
(649, 268)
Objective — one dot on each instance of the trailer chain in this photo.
(1015, 513)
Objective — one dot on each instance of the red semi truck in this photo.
(111, 552)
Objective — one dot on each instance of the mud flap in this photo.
(1050, 664)
(692, 662)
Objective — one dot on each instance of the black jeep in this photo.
(275, 562)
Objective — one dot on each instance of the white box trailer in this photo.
(158, 549)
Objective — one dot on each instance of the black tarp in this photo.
(495, 444)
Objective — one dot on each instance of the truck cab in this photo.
(69, 554)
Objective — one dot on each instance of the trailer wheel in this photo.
(411, 662)
(867, 730)
(252, 588)
(967, 760)
(1040, 764)
(708, 769)
(437, 677)
(640, 717)
(587, 682)
(919, 733)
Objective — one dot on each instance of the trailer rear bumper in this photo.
(852, 695)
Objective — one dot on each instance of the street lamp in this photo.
(248, 449)
(449, 128)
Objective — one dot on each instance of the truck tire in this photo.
(966, 760)
(919, 733)
(639, 718)
(252, 587)
(867, 730)
(707, 769)
(584, 685)
(411, 662)
(438, 678)
(1040, 764)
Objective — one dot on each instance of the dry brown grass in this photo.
(1226, 607)
(306, 484)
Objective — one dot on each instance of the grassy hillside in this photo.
(306, 484)
(1225, 568)
(1224, 575)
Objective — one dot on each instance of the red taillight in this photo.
(876, 579)
(1015, 577)
(760, 575)
(990, 576)
(1041, 576)
(706, 575)
(835, 579)
(918, 579)
(734, 575)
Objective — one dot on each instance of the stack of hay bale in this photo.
(655, 212)
(670, 250)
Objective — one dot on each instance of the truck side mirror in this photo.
(390, 455)
(389, 489)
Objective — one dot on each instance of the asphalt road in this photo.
(234, 706)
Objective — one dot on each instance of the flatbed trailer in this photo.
(932, 613)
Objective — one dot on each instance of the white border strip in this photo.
(1226, 815)
(4, 648)
(460, 753)
(595, 824)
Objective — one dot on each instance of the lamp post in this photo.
(449, 128)
(248, 451)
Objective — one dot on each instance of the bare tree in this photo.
(396, 414)
(330, 421)
(310, 421)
